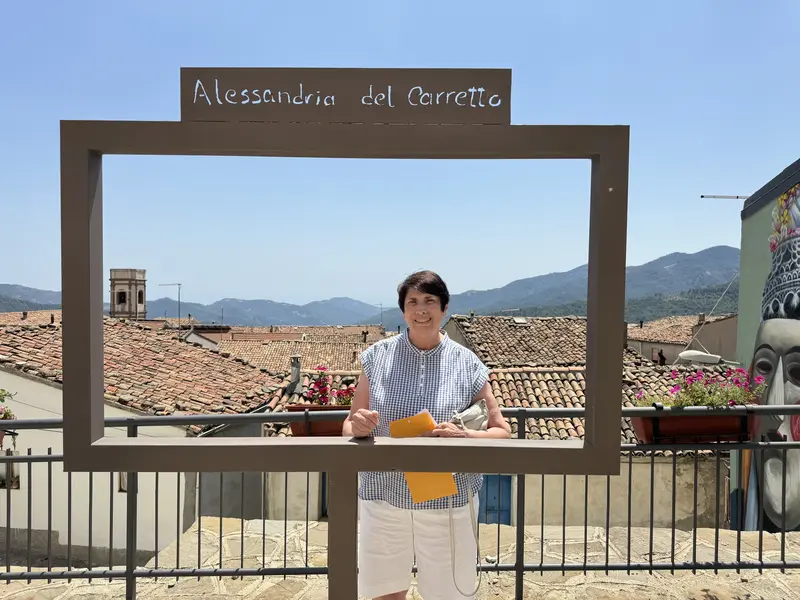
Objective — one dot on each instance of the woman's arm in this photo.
(361, 421)
(497, 427)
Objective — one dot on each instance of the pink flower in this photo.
(759, 379)
(639, 394)
(731, 403)
(674, 374)
(675, 389)
(690, 380)
(320, 368)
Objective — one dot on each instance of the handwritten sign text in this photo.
(419, 96)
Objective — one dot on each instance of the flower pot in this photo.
(316, 428)
(692, 429)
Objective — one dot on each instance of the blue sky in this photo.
(705, 86)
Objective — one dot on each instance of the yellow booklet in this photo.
(423, 486)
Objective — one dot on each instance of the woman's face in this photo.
(423, 312)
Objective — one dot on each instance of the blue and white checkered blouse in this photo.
(403, 380)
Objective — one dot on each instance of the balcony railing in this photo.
(670, 509)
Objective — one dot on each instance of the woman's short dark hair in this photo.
(426, 282)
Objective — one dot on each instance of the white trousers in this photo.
(390, 538)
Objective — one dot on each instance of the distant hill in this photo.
(668, 276)
(671, 274)
(9, 304)
(232, 311)
(650, 308)
(20, 292)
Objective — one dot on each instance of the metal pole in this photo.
(131, 517)
(519, 561)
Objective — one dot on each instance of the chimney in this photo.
(52, 318)
(471, 314)
(355, 356)
(641, 324)
(701, 319)
(294, 364)
(24, 314)
(364, 335)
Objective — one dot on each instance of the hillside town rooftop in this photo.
(670, 330)
(146, 370)
(524, 341)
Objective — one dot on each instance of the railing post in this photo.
(132, 521)
(343, 534)
(519, 563)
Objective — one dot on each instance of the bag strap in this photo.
(474, 524)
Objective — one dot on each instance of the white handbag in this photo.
(475, 417)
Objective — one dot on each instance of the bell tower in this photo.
(128, 294)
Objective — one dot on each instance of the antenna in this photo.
(724, 197)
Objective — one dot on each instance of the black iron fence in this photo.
(670, 509)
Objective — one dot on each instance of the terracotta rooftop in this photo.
(274, 355)
(557, 387)
(310, 329)
(147, 370)
(669, 330)
(184, 321)
(534, 387)
(303, 337)
(525, 341)
(33, 317)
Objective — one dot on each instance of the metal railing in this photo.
(665, 486)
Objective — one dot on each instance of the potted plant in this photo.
(321, 397)
(733, 388)
(6, 414)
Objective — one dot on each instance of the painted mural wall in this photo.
(754, 267)
(769, 337)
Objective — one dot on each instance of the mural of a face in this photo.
(777, 359)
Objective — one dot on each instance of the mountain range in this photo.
(666, 277)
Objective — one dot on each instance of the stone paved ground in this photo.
(771, 585)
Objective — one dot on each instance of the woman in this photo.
(402, 375)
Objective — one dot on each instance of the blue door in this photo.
(495, 498)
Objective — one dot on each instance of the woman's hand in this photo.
(363, 422)
(449, 430)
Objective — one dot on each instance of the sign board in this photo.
(400, 96)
